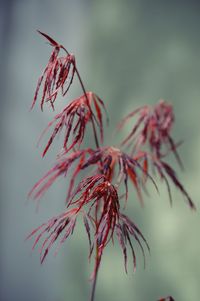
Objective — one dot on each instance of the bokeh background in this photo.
(130, 53)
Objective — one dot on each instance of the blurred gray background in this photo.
(130, 53)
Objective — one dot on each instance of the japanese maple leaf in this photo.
(57, 75)
(73, 120)
(152, 128)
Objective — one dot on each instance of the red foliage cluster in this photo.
(153, 127)
(119, 166)
(55, 75)
(96, 198)
(151, 142)
(74, 119)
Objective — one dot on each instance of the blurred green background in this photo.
(130, 53)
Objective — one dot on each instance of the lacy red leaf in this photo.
(166, 174)
(59, 227)
(74, 119)
(152, 128)
(103, 213)
(61, 168)
(96, 199)
(125, 230)
(57, 75)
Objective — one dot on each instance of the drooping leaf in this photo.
(52, 42)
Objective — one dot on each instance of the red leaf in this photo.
(52, 42)
(99, 115)
(74, 119)
(133, 178)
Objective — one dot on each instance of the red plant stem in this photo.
(84, 91)
(97, 257)
(97, 264)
